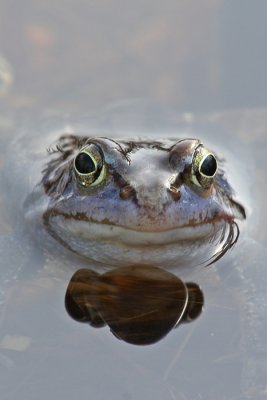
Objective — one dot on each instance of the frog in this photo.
(121, 201)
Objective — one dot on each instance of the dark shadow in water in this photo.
(140, 304)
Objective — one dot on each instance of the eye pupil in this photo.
(209, 166)
(84, 164)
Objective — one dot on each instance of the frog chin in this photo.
(116, 245)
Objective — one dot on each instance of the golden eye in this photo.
(89, 166)
(204, 167)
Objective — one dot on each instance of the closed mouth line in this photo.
(82, 218)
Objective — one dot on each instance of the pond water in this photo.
(189, 62)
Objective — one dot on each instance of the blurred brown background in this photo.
(193, 55)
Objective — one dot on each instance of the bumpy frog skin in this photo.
(160, 202)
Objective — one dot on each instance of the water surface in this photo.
(74, 58)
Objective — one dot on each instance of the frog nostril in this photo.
(174, 188)
(126, 192)
(175, 192)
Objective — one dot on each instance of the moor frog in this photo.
(129, 201)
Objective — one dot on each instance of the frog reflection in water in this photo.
(121, 202)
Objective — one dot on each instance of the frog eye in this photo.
(204, 167)
(89, 165)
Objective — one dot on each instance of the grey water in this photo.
(194, 68)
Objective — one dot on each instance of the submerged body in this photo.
(120, 201)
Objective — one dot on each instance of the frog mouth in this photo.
(119, 234)
(87, 230)
(103, 242)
